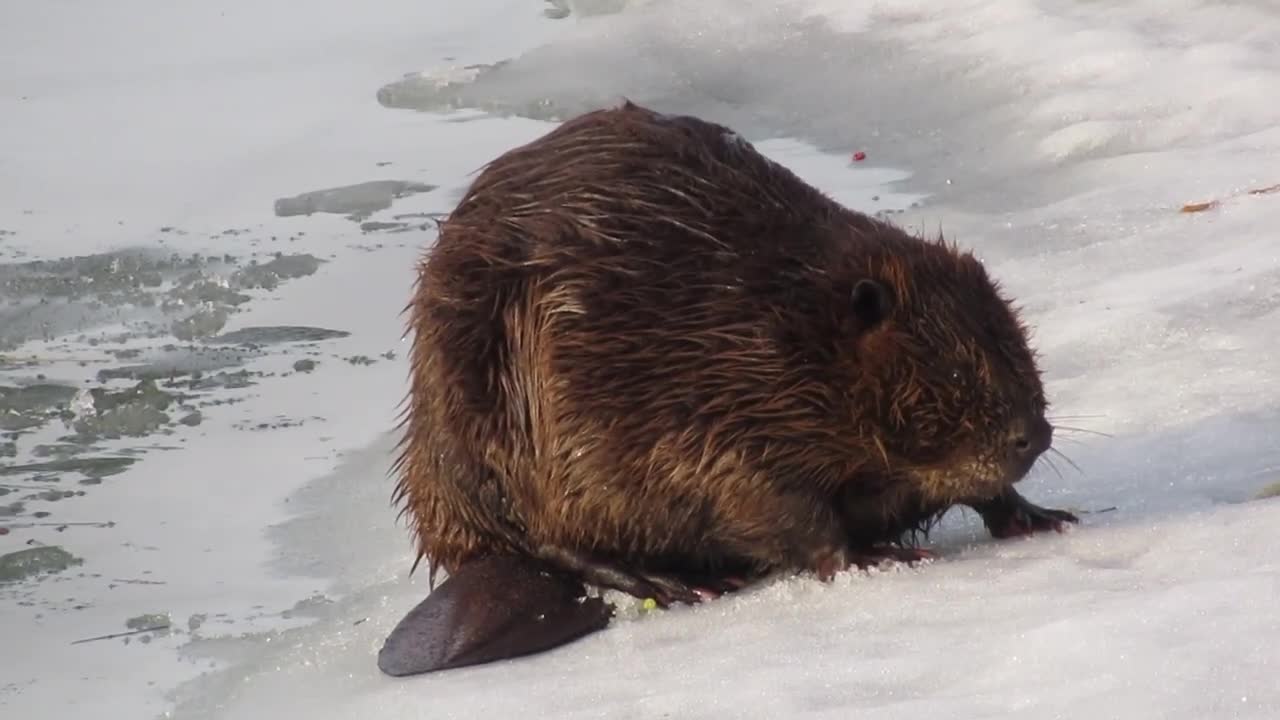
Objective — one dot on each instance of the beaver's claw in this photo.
(1010, 515)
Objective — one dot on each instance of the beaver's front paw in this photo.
(1011, 515)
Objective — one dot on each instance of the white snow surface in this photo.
(1057, 138)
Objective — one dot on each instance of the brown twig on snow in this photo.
(1195, 207)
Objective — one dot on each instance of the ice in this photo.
(22, 564)
(1059, 140)
(358, 201)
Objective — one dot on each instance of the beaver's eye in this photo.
(958, 378)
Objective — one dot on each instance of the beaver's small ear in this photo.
(871, 302)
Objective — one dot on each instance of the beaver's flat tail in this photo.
(492, 608)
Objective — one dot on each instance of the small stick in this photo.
(107, 524)
(139, 582)
(121, 634)
(1195, 207)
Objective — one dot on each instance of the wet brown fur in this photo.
(636, 339)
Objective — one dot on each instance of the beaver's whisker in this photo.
(1051, 418)
(1070, 462)
(1086, 431)
(1049, 461)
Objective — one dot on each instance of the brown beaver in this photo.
(648, 358)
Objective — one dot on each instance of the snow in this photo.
(1057, 139)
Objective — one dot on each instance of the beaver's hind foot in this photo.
(662, 588)
(873, 555)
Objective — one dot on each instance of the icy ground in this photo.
(242, 496)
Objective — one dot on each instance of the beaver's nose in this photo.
(1029, 437)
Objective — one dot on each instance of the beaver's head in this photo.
(944, 373)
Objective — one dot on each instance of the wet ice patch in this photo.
(36, 561)
(136, 395)
(131, 412)
(270, 274)
(560, 9)
(173, 361)
(449, 88)
(272, 335)
(148, 292)
(29, 406)
(90, 469)
(357, 201)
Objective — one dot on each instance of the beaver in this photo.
(645, 357)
